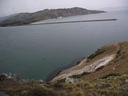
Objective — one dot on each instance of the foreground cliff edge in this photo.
(104, 73)
(113, 57)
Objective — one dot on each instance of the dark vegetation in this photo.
(112, 74)
(98, 52)
(80, 75)
(100, 68)
(61, 81)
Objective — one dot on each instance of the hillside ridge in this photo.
(27, 18)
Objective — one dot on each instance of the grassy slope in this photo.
(67, 89)
(119, 49)
(118, 65)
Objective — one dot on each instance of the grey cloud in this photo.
(15, 6)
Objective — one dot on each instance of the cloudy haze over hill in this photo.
(8, 7)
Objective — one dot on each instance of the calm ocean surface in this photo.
(35, 51)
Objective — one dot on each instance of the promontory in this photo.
(28, 18)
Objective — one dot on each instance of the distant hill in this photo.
(6, 17)
(27, 18)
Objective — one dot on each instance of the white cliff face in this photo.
(89, 68)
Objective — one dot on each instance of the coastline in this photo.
(97, 20)
(54, 73)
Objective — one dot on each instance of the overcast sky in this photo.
(16, 6)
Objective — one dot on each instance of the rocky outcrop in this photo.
(3, 94)
(126, 81)
(89, 68)
(125, 86)
(14, 77)
(17, 78)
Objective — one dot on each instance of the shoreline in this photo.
(96, 20)
(54, 73)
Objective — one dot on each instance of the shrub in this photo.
(108, 92)
(99, 68)
(2, 77)
(79, 75)
(118, 52)
(10, 91)
(61, 81)
(62, 93)
(57, 85)
(69, 87)
(112, 74)
(39, 92)
(77, 93)
(42, 91)
(98, 52)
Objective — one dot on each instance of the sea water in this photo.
(35, 51)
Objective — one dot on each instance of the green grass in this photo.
(81, 88)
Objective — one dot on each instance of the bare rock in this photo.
(14, 77)
(29, 81)
(125, 86)
(3, 94)
(126, 81)
(71, 80)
